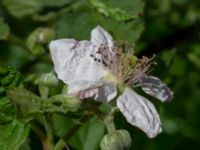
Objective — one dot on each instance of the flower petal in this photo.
(101, 91)
(155, 87)
(100, 36)
(72, 60)
(139, 112)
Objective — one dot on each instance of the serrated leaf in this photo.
(89, 136)
(118, 12)
(12, 132)
(130, 6)
(7, 112)
(22, 8)
(12, 135)
(9, 78)
(4, 30)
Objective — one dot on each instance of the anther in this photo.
(98, 52)
(105, 56)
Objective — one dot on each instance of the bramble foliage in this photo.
(36, 113)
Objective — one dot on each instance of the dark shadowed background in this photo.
(168, 28)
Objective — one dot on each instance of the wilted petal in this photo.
(102, 91)
(139, 112)
(72, 60)
(100, 36)
(155, 87)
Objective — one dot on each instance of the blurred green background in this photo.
(168, 28)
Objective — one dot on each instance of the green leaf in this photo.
(7, 112)
(61, 124)
(4, 30)
(89, 136)
(118, 12)
(9, 78)
(69, 26)
(22, 8)
(30, 103)
(12, 135)
(130, 6)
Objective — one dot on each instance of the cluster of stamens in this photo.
(121, 62)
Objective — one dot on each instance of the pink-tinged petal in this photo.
(139, 112)
(101, 91)
(72, 60)
(99, 36)
(156, 88)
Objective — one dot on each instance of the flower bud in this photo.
(46, 81)
(49, 80)
(38, 38)
(116, 140)
(45, 35)
(63, 103)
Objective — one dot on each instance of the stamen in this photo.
(121, 62)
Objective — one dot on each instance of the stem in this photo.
(48, 131)
(109, 121)
(61, 143)
(41, 136)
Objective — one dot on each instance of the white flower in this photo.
(85, 65)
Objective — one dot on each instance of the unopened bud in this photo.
(116, 140)
(49, 80)
(45, 35)
(63, 103)
(39, 37)
(46, 81)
